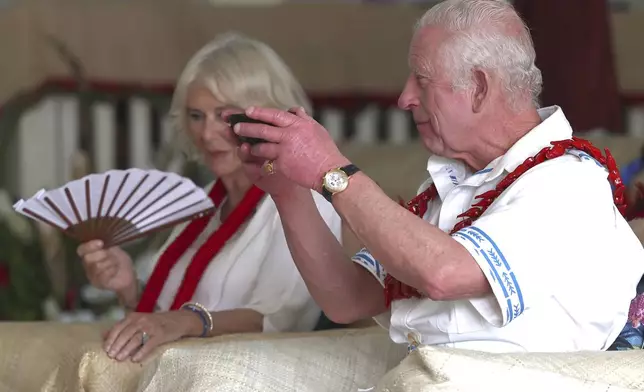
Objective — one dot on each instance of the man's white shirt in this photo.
(562, 262)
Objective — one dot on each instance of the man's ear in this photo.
(480, 92)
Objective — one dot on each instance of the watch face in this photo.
(336, 181)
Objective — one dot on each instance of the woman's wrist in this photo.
(192, 324)
(200, 313)
(129, 297)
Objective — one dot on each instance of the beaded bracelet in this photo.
(204, 315)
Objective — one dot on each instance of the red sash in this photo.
(205, 254)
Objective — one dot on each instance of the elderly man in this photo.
(520, 244)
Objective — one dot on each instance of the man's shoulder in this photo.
(584, 157)
(574, 179)
(576, 168)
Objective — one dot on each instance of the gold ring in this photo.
(269, 168)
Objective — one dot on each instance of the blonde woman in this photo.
(232, 272)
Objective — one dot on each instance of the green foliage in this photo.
(24, 283)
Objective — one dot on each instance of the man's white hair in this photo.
(489, 35)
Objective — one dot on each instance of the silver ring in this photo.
(144, 338)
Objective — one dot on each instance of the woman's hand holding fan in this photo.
(110, 269)
(118, 206)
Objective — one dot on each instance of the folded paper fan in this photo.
(119, 205)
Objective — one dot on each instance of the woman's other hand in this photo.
(125, 339)
(110, 269)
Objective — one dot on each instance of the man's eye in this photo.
(421, 79)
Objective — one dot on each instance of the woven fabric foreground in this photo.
(61, 357)
(442, 369)
(338, 360)
(52, 357)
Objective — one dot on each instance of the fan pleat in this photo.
(118, 206)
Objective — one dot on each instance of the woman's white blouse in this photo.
(254, 270)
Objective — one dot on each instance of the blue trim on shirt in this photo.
(366, 259)
(500, 269)
(483, 171)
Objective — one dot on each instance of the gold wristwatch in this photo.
(337, 180)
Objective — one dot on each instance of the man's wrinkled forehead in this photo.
(424, 46)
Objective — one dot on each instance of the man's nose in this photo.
(409, 96)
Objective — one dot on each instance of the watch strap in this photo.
(350, 170)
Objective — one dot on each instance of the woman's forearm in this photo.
(224, 322)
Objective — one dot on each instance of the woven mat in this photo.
(68, 357)
(60, 357)
(63, 357)
(441, 369)
(342, 360)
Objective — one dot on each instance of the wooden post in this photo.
(574, 51)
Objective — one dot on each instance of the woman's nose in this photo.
(213, 129)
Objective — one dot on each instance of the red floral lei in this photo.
(395, 290)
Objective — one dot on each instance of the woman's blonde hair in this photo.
(239, 71)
